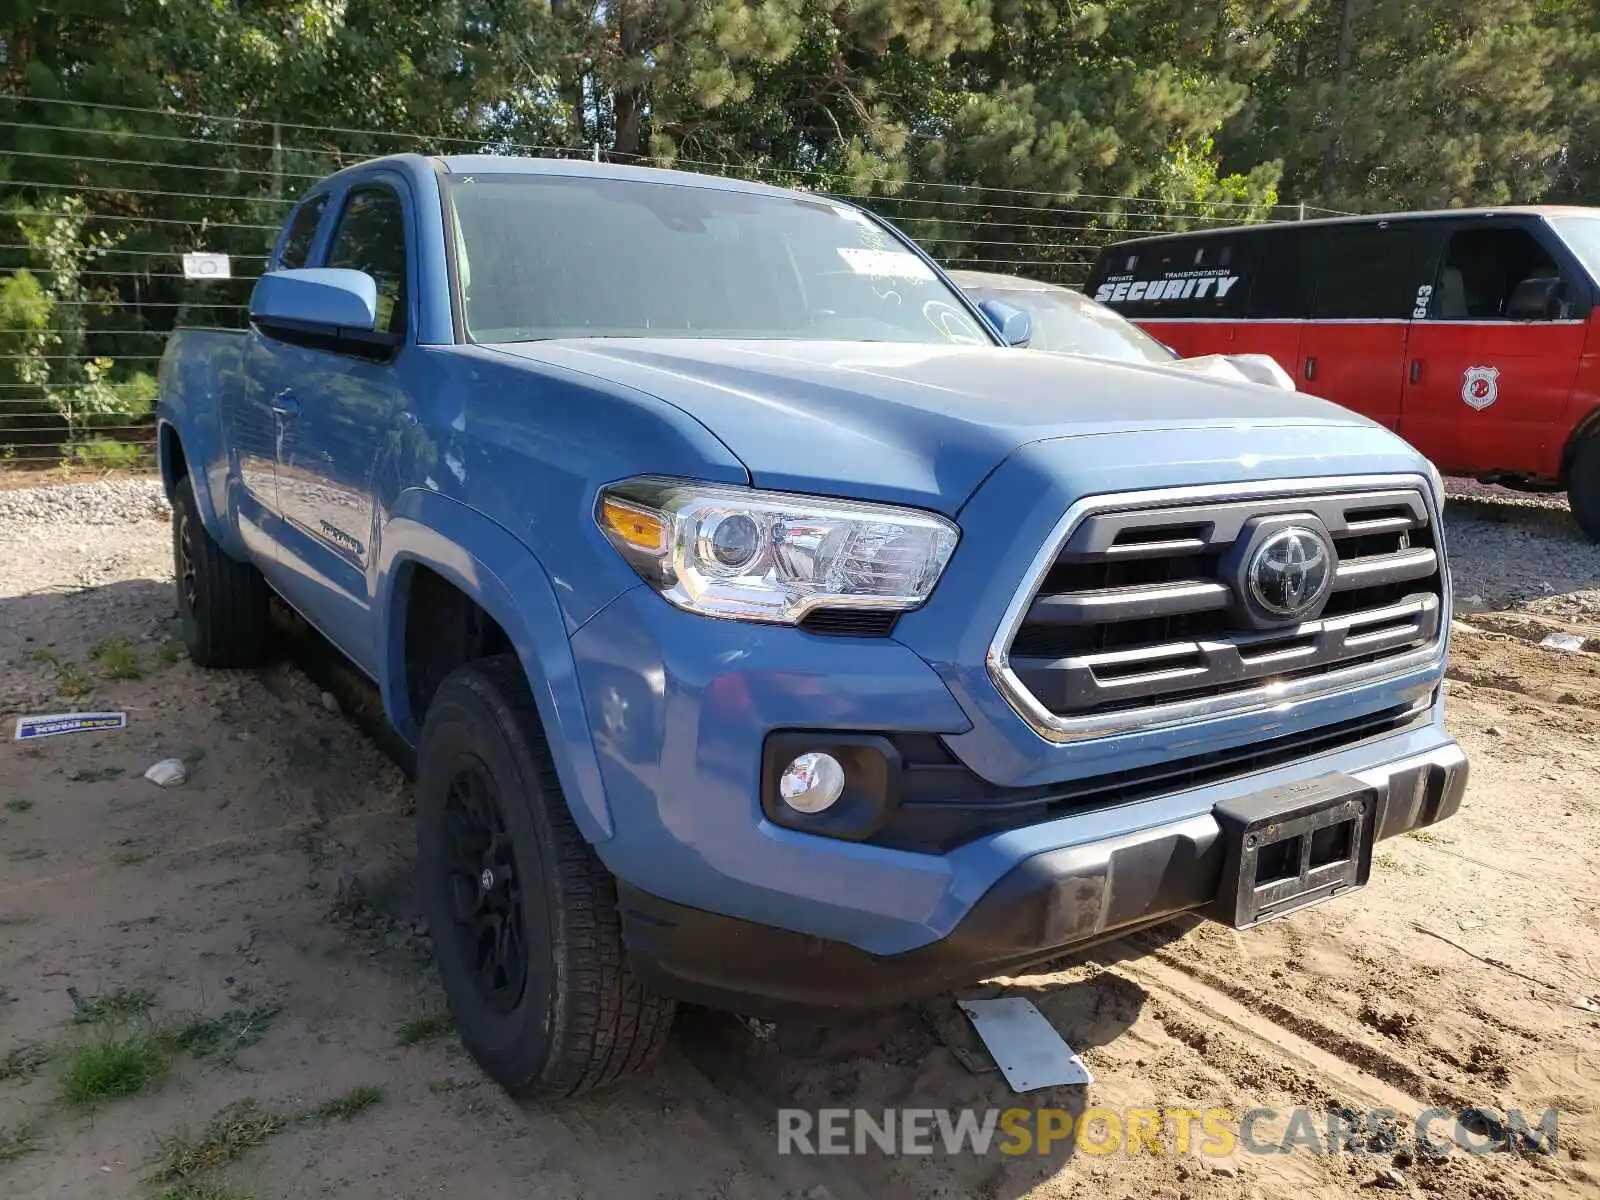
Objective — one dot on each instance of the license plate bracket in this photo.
(1294, 846)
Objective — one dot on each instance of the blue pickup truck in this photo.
(774, 631)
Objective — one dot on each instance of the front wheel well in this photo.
(174, 465)
(444, 628)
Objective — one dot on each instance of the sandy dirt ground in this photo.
(252, 934)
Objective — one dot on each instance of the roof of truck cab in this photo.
(571, 168)
(1437, 214)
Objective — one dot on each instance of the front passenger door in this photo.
(342, 409)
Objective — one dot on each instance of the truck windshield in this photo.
(1582, 236)
(565, 256)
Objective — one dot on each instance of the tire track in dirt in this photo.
(1361, 1069)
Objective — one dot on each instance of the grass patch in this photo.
(200, 1189)
(117, 657)
(1423, 835)
(18, 806)
(17, 1140)
(108, 454)
(170, 652)
(240, 1126)
(96, 774)
(113, 1069)
(70, 677)
(342, 1108)
(424, 1027)
(119, 1004)
(219, 1039)
(24, 1061)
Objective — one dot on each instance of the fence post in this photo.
(1302, 210)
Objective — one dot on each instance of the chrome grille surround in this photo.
(1241, 669)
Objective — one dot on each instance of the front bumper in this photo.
(1049, 903)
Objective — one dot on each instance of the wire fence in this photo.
(100, 204)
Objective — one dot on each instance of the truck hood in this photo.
(917, 424)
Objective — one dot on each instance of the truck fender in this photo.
(504, 578)
(206, 466)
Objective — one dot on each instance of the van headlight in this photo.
(751, 555)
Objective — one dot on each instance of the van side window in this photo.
(1487, 276)
(297, 244)
(1370, 272)
(1279, 285)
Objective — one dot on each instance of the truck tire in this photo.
(223, 602)
(1583, 486)
(524, 918)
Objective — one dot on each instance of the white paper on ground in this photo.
(1027, 1048)
(1562, 641)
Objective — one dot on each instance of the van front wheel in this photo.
(1583, 486)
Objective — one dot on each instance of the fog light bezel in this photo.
(872, 773)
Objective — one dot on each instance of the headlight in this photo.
(771, 556)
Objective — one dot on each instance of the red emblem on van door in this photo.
(1480, 386)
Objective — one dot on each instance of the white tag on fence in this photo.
(207, 266)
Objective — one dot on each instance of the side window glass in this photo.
(371, 237)
(302, 229)
(1278, 283)
(1498, 275)
(1370, 272)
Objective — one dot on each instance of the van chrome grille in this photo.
(1140, 618)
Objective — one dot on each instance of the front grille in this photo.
(1139, 618)
(944, 805)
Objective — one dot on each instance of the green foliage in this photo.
(220, 1039)
(24, 1061)
(343, 1107)
(117, 1005)
(112, 1069)
(423, 1027)
(16, 1141)
(239, 1127)
(118, 657)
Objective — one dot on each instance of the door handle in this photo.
(285, 406)
(1416, 370)
(1311, 367)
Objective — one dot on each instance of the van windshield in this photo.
(546, 256)
(1582, 236)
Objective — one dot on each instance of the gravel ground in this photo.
(113, 502)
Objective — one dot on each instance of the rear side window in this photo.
(371, 237)
(302, 230)
(1183, 277)
(1371, 272)
(1280, 285)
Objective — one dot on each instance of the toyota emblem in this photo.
(1290, 572)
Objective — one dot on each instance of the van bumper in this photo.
(1046, 905)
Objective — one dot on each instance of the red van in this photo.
(1474, 334)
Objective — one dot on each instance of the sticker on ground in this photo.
(29, 728)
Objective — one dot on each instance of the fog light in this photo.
(812, 782)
